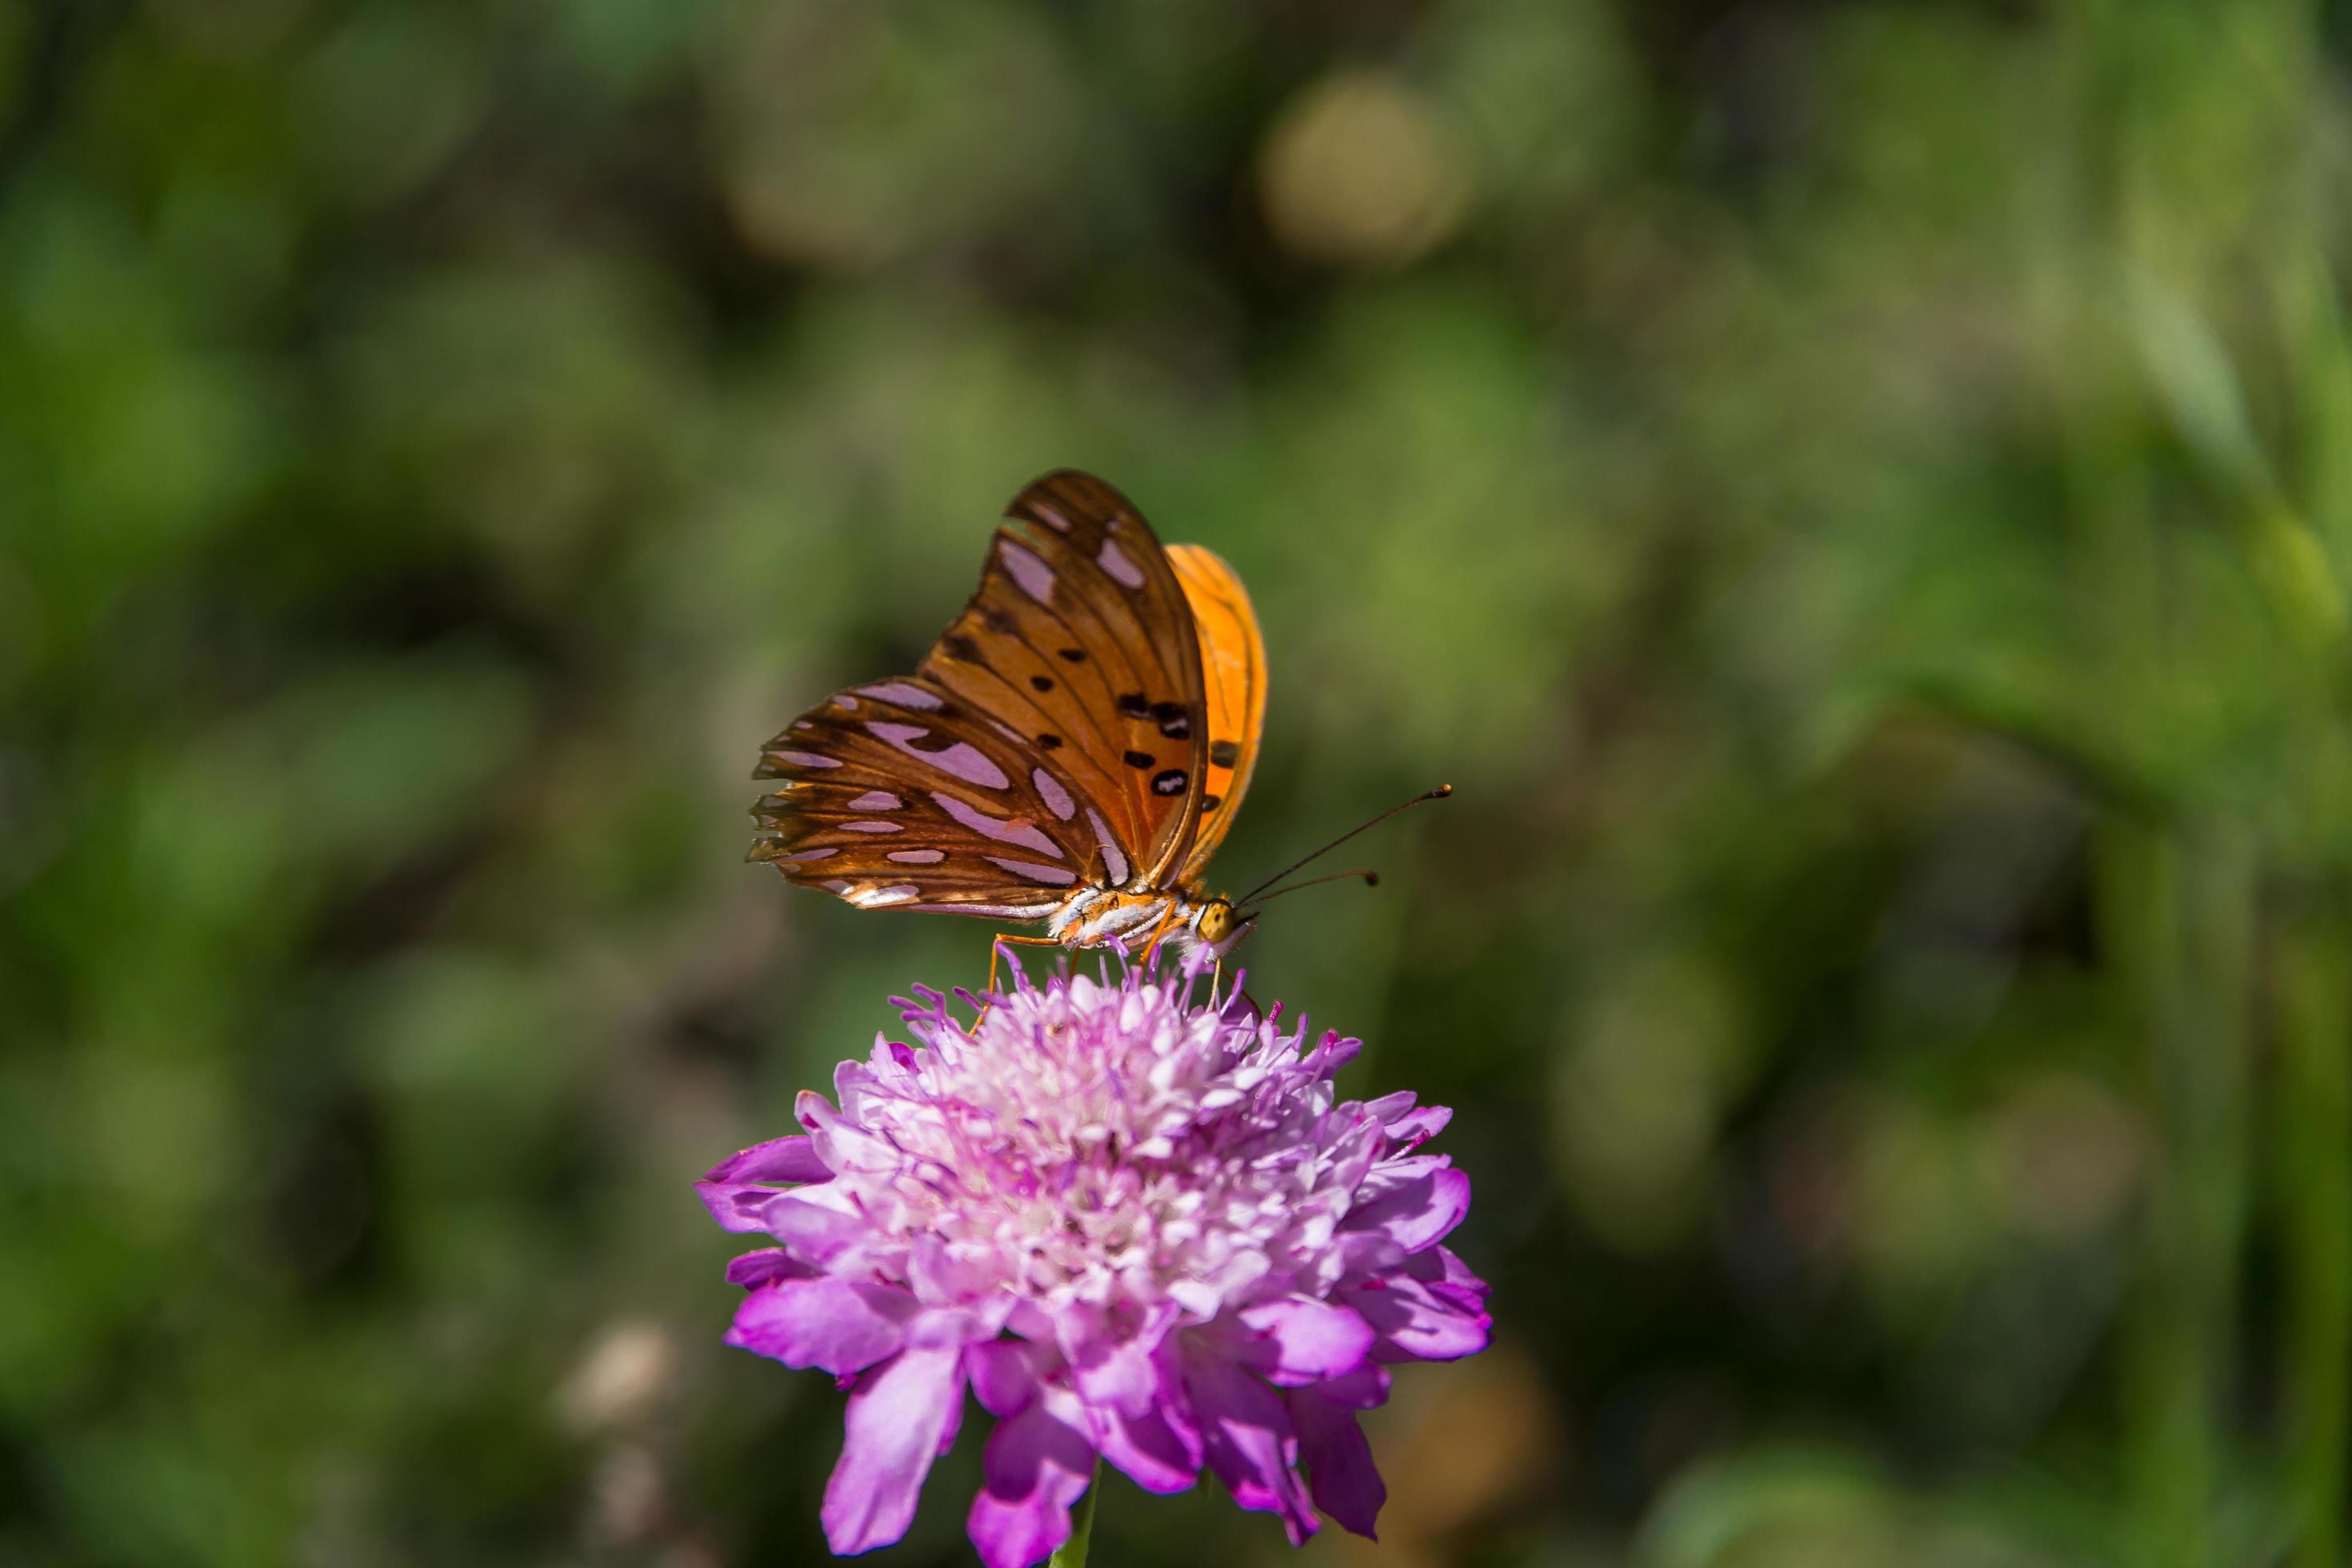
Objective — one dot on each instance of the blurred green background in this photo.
(1857, 497)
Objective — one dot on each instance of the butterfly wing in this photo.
(1053, 737)
(896, 796)
(1233, 669)
(1080, 643)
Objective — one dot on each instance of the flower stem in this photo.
(1073, 1554)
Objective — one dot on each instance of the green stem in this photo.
(1073, 1554)
(2315, 1112)
(2177, 906)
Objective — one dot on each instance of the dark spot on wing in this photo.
(1176, 727)
(1050, 742)
(1163, 711)
(1171, 782)
(1139, 759)
(1075, 655)
(1041, 682)
(1132, 704)
(998, 621)
(1210, 802)
(1223, 753)
(955, 645)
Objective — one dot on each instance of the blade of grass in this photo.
(2315, 1168)
(2176, 910)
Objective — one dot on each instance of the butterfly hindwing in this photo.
(1080, 639)
(894, 794)
(1233, 666)
(1060, 735)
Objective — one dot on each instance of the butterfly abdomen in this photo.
(1106, 916)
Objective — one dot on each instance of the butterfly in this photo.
(1073, 750)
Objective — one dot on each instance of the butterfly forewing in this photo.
(1233, 667)
(1080, 640)
(894, 794)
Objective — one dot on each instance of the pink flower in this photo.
(1134, 1225)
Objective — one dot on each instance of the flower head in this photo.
(1135, 1225)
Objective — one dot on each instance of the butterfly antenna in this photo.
(1440, 792)
(1371, 879)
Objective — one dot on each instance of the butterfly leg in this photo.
(995, 949)
(1158, 934)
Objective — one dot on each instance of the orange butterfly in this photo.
(1073, 750)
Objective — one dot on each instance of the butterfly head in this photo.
(1221, 926)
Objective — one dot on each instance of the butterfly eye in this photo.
(1216, 921)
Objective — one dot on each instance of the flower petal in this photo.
(840, 1142)
(737, 1188)
(811, 1230)
(1247, 1441)
(1365, 1389)
(1119, 1376)
(1449, 1277)
(952, 1271)
(1418, 1201)
(1004, 1375)
(831, 1324)
(1036, 1466)
(1157, 1453)
(1159, 1450)
(1340, 1470)
(769, 1263)
(1113, 1367)
(894, 1421)
(1297, 1342)
(1415, 1322)
(1412, 1131)
(1332, 1052)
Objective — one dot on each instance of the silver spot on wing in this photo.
(962, 760)
(903, 693)
(1115, 865)
(1122, 571)
(1027, 569)
(1004, 830)
(1056, 798)
(1056, 875)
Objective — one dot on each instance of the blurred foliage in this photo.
(1857, 497)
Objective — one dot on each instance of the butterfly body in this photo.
(1184, 918)
(1072, 750)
